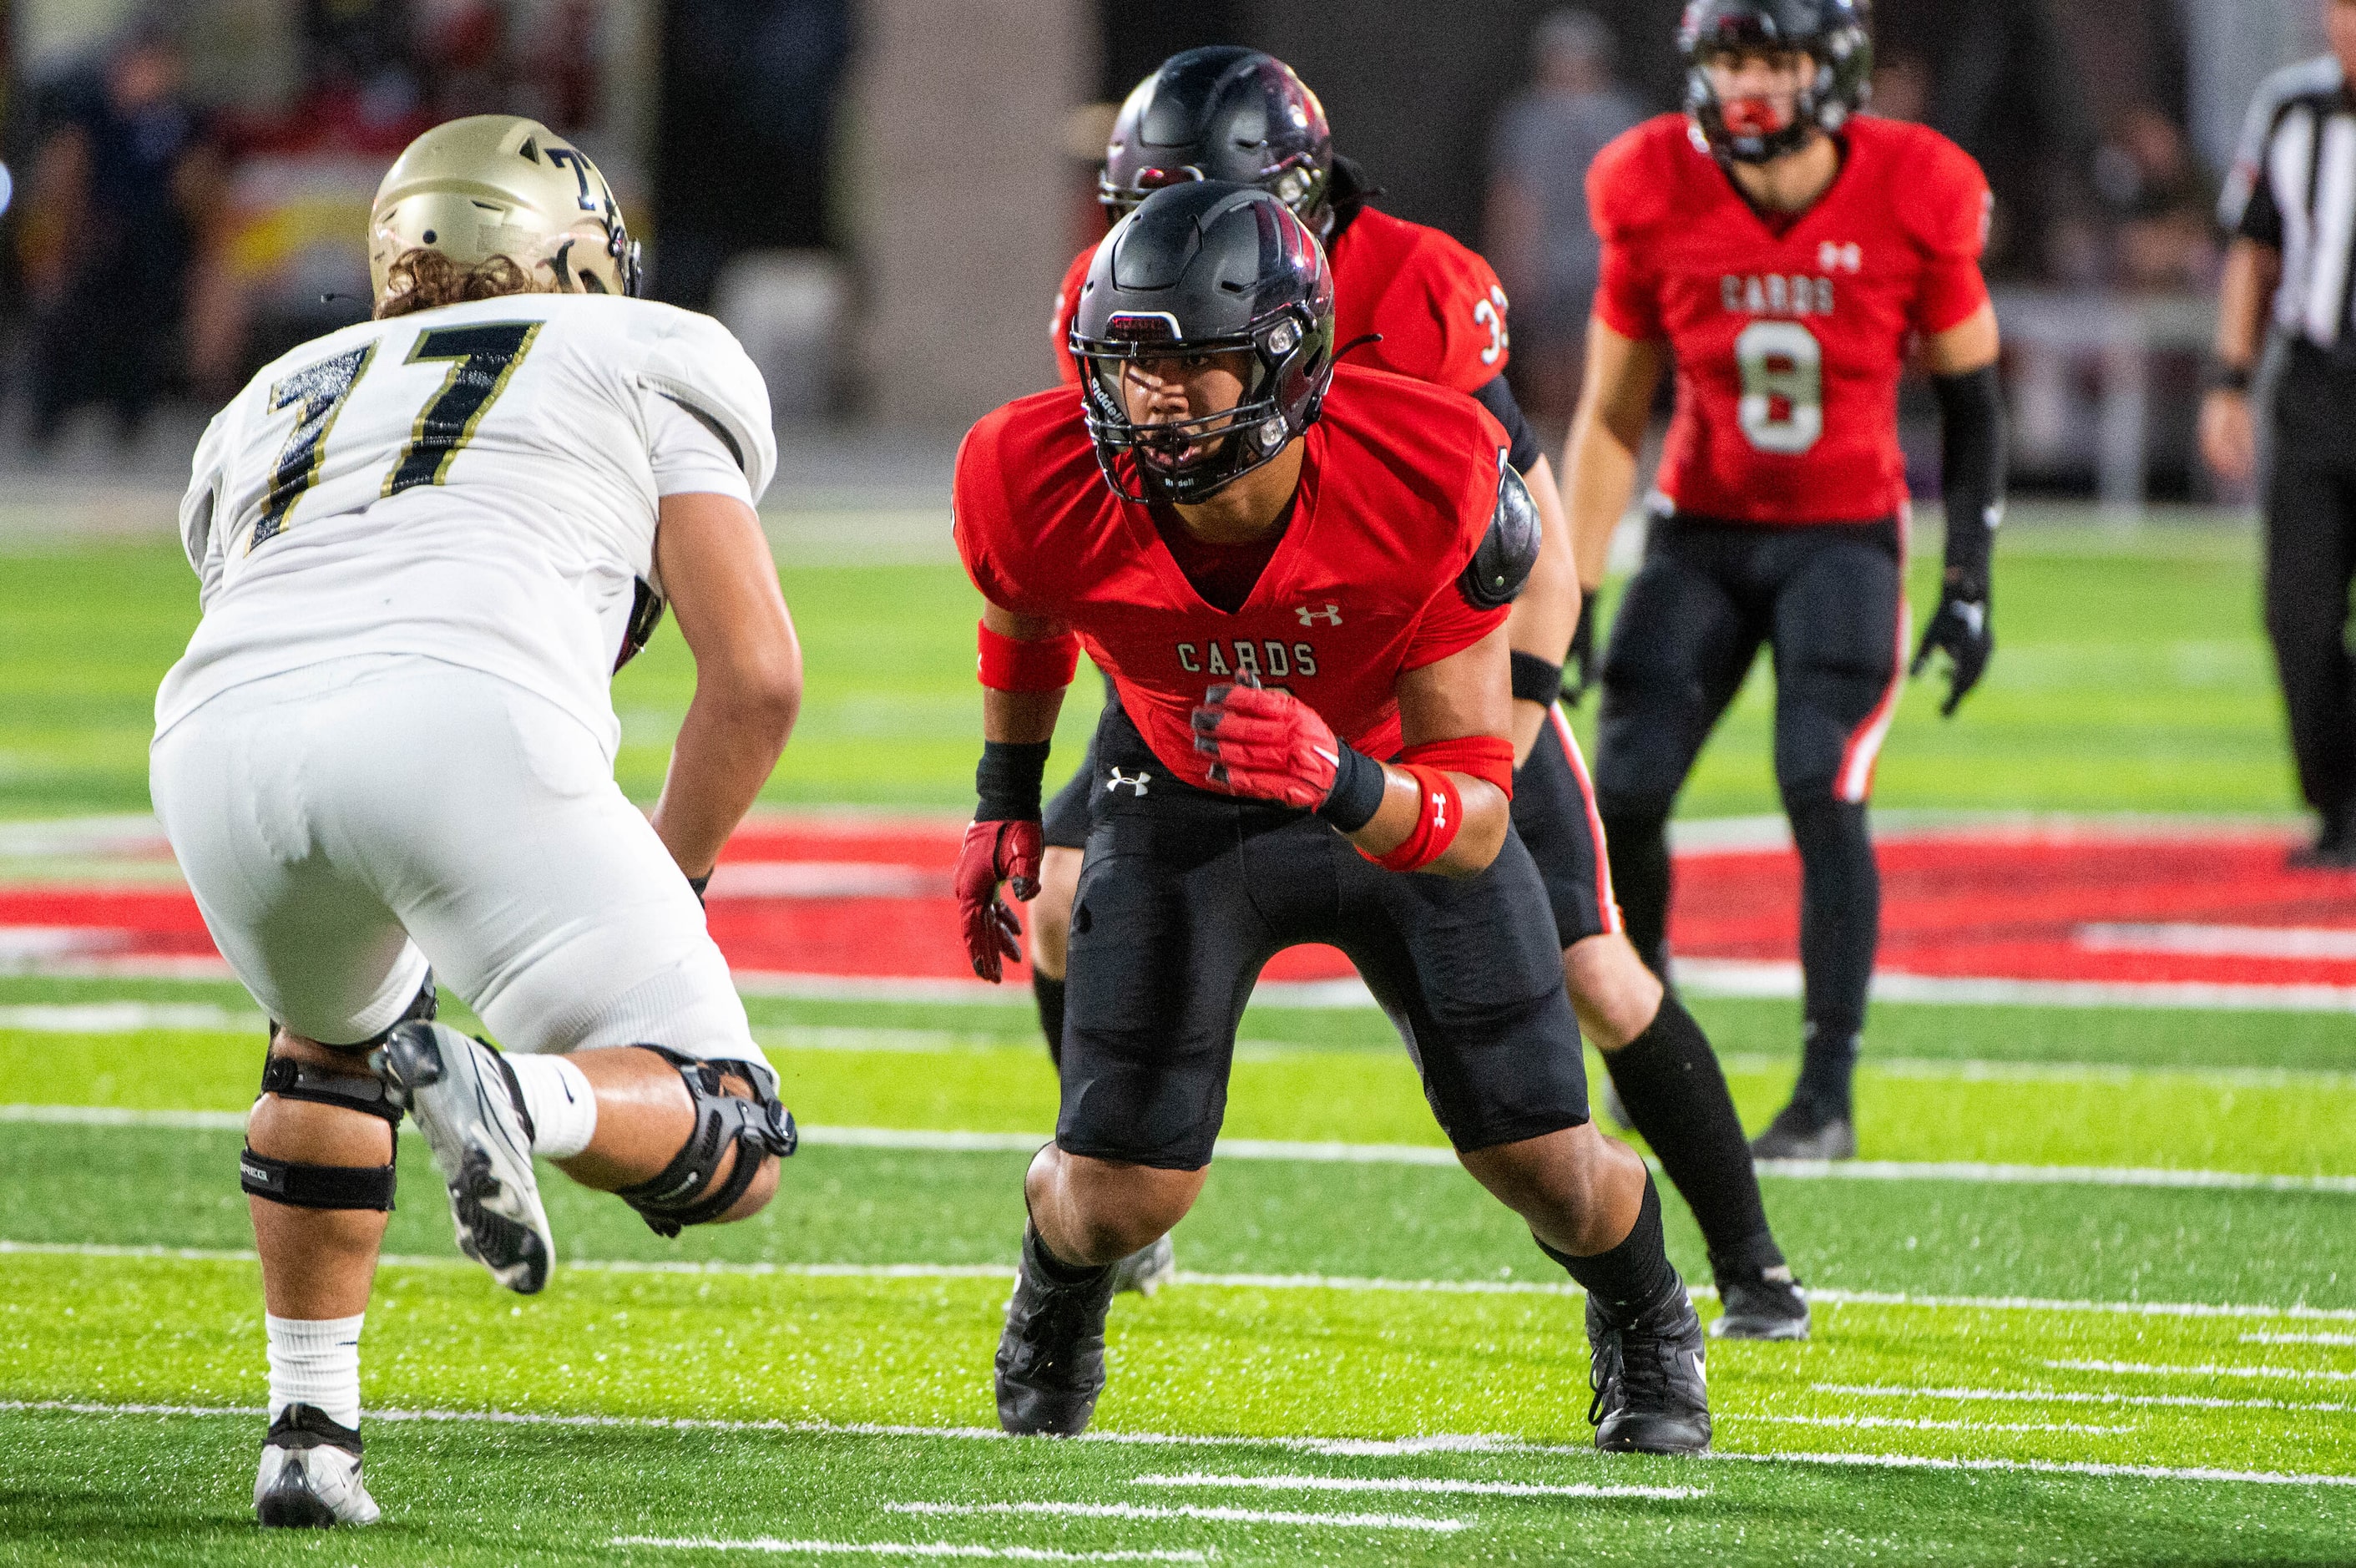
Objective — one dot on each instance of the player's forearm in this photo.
(2252, 274)
(1019, 718)
(1026, 666)
(1477, 842)
(727, 748)
(1538, 629)
(1602, 480)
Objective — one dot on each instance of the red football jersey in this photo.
(1398, 489)
(1438, 305)
(1789, 346)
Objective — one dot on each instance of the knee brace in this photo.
(682, 1193)
(300, 1185)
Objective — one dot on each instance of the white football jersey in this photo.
(475, 484)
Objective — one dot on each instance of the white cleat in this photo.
(310, 1476)
(467, 1106)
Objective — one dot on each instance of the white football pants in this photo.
(346, 825)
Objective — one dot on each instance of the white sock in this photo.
(558, 1099)
(316, 1361)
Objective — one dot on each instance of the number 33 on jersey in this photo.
(1789, 339)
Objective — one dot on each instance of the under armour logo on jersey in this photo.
(1331, 614)
(1122, 781)
(1836, 257)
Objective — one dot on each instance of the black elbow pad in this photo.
(1493, 577)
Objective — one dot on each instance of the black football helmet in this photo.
(1226, 114)
(1835, 33)
(1207, 268)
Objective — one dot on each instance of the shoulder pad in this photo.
(1493, 577)
(697, 364)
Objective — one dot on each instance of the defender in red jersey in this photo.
(1419, 304)
(1298, 579)
(1790, 256)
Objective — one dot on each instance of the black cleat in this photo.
(1763, 1305)
(310, 1475)
(1148, 1268)
(1051, 1358)
(1801, 1131)
(1651, 1394)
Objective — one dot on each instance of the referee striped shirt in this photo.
(2293, 189)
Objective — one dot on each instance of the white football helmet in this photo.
(500, 185)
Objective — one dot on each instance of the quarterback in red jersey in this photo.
(1416, 303)
(1294, 576)
(1790, 256)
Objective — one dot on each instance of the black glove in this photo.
(1579, 671)
(1960, 628)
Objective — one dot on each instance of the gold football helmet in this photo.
(500, 185)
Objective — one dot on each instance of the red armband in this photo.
(1485, 756)
(1438, 821)
(1010, 665)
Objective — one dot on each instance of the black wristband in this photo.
(1357, 792)
(1009, 781)
(1534, 680)
(2222, 376)
(700, 884)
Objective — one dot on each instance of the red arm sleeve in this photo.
(1953, 239)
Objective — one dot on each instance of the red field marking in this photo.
(860, 898)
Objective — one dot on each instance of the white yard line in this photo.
(1507, 1445)
(1821, 1297)
(2047, 1467)
(2299, 1338)
(1189, 1511)
(905, 1548)
(1900, 1423)
(2058, 1396)
(69, 954)
(1423, 1483)
(1319, 1152)
(2207, 1369)
(129, 1018)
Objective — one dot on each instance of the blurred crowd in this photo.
(165, 244)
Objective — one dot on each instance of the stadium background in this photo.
(2089, 1294)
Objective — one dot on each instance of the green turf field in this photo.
(2092, 1300)
(2129, 676)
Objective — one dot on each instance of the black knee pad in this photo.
(300, 1185)
(683, 1194)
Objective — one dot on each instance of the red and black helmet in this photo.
(1208, 268)
(1226, 113)
(1835, 33)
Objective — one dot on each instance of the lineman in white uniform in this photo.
(425, 543)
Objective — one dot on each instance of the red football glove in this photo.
(996, 853)
(1269, 744)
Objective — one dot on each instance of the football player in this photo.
(1789, 256)
(425, 545)
(1292, 572)
(1415, 302)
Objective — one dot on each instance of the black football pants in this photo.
(2311, 559)
(1827, 601)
